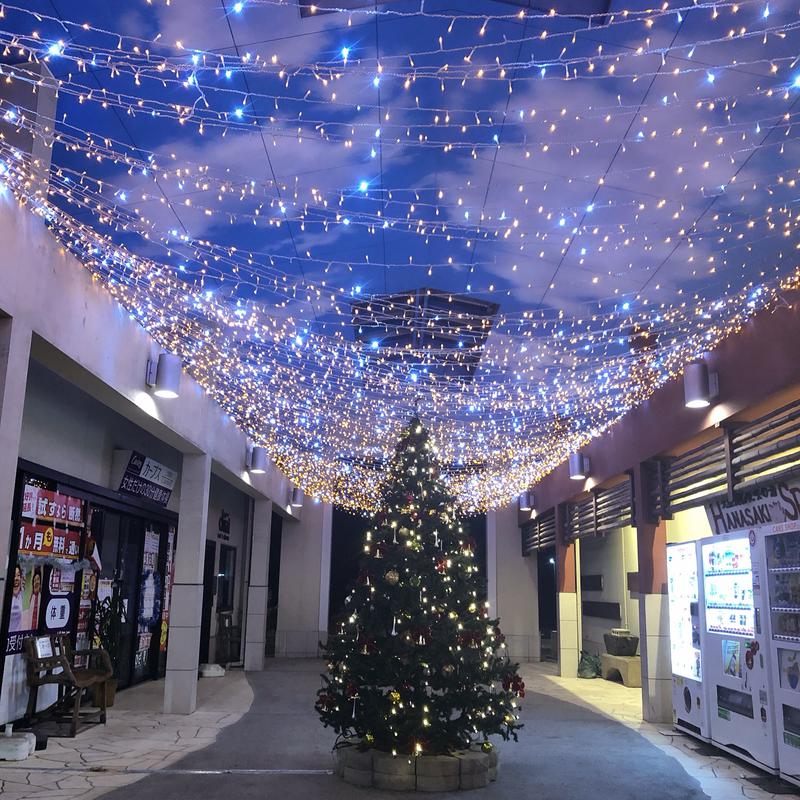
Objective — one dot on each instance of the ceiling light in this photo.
(578, 466)
(525, 501)
(164, 376)
(257, 460)
(700, 387)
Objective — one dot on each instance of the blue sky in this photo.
(359, 154)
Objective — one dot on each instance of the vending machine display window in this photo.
(684, 627)
(783, 568)
(728, 584)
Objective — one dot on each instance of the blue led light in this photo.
(56, 49)
(238, 6)
(228, 73)
(710, 77)
(375, 344)
(345, 53)
(239, 113)
(363, 186)
(376, 81)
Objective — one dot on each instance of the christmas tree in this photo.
(416, 665)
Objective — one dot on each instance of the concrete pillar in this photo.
(569, 643)
(491, 562)
(325, 571)
(255, 632)
(15, 351)
(183, 654)
(654, 643)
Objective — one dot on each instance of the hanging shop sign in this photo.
(224, 527)
(776, 505)
(145, 477)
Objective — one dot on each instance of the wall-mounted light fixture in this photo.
(164, 375)
(578, 466)
(256, 460)
(297, 497)
(525, 501)
(700, 386)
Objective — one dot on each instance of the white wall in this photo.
(85, 336)
(305, 552)
(517, 587)
(67, 430)
(613, 556)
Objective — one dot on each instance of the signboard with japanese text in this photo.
(47, 506)
(776, 506)
(45, 540)
(144, 477)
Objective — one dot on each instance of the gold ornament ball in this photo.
(392, 577)
(448, 670)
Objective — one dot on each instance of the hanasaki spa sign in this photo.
(777, 504)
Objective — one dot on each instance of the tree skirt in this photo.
(465, 769)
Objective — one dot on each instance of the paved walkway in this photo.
(258, 737)
(136, 740)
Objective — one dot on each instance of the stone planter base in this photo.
(465, 769)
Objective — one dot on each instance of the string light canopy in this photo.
(515, 223)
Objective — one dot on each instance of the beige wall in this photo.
(516, 588)
(687, 526)
(303, 563)
(613, 556)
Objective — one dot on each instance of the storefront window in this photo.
(226, 577)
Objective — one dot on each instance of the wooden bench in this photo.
(629, 668)
(50, 660)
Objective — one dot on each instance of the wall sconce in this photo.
(256, 461)
(297, 497)
(164, 375)
(700, 387)
(525, 501)
(578, 466)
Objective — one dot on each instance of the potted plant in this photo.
(108, 619)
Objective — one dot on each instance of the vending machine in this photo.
(736, 649)
(782, 561)
(689, 706)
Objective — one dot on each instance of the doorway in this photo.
(209, 586)
(548, 605)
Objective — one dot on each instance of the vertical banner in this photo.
(149, 603)
(168, 577)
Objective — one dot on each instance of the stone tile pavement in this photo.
(136, 740)
(720, 776)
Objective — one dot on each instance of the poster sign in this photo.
(776, 506)
(145, 477)
(46, 506)
(169, 575)
(45, 540)
(149, 602)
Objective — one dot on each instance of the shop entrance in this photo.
(209, 586)
(548, 603)
(133, 554)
